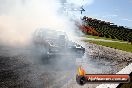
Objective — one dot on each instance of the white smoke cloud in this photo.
(19, 19)
(80, 2)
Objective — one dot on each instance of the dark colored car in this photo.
(51, 43)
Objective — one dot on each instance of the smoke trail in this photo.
(19, 19)
(81, 2)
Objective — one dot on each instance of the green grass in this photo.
(121, 46)
(97, 37)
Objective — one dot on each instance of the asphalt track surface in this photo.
(16, 71)
(21, 67)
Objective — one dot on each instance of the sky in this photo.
(118, 12)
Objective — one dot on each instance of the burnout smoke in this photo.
(19, 19)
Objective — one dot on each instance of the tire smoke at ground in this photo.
(19, 60)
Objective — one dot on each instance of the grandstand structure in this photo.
(100, 28)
